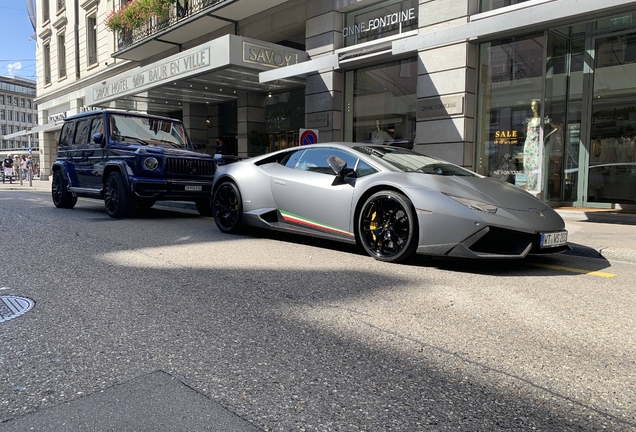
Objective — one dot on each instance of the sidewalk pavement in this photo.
(598, 233)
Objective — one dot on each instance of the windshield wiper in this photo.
(139, 140)
(172, 143)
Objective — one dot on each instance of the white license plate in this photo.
(554, 239)
(194, 188)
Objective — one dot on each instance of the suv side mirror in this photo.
(98, 138)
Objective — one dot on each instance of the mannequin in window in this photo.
(531, 148)
(379, 135)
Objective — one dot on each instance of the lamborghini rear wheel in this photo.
(388, 226)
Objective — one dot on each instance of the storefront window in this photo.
(284, 116)
(488, 5)
(612, 166)
(523, 113)
(380, 103)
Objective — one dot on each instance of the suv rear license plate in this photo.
(194, 188)
(554, 239)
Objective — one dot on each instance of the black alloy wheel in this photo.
(388, 227)
(117, 200)
(227, 208)
(204, 207)
(62, 198)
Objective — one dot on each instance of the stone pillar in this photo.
(324, 91)
(447, 74)
(194, 120)
(214, 127)
(251, 117)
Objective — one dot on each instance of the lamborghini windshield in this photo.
(410, 161)
(147, 131)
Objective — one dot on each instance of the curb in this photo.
(598, 216)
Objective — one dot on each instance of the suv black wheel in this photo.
(62, 198)
(204, 207)
(227, 208)
(388, 227)
(118, 201)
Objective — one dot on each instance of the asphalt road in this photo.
(170, 325)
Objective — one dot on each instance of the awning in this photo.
(525, 17)
(213, 72)
(49, 127)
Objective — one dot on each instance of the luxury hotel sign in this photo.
(267, 56)
(157, 73)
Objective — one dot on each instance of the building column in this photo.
(447, 86)
(194, 120)
(324, 91)
(214, 127)
(250, 109)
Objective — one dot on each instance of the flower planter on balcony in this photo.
(138, 13)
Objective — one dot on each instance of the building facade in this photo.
(537, 93)
(18, 113)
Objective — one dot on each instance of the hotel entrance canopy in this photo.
(214, 72)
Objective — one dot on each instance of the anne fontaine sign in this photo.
(440, 107)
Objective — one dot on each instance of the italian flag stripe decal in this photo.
(290, 217)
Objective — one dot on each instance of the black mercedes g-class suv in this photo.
(129, 160)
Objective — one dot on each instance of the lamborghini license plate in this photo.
(194, 188)
(554, 239)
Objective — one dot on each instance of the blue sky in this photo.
(17, 52)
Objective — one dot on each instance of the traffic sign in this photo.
(308, 136)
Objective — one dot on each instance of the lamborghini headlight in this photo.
(474, 204)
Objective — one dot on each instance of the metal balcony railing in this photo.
(62, 72)
(61, 4)
(46, 16)
(92, 59)
(47, 79)
(181, 10)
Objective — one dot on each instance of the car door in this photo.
(304, 192)
(80, 154)
(95, 152)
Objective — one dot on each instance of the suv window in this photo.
(66, 136)
(81, 134)
(97, 126)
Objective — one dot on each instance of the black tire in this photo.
(204, 207)
(118, 201)
(227, 208)
(144, 203)
(62, 198)
(388, 227)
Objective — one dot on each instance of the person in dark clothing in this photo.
(219, 146)
(7, 165)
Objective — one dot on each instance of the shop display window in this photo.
(380, 103)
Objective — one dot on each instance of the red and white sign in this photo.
(308, 136)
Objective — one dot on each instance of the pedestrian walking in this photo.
(29, 166)
(23, 167)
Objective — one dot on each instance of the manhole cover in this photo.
(12, 307)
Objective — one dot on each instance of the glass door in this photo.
(612, 145)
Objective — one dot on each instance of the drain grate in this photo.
(13, 306)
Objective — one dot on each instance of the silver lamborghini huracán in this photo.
(392, 201)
